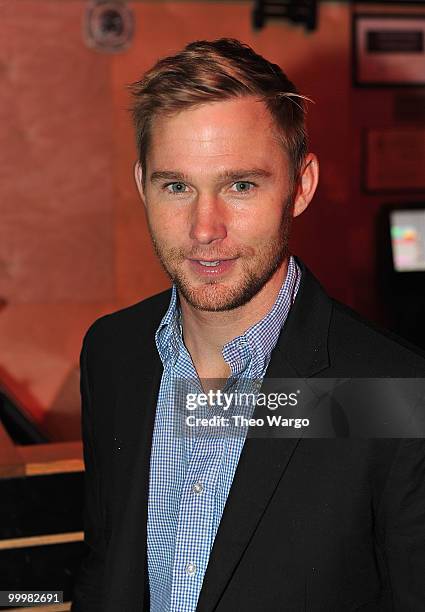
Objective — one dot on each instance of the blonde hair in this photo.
(210, 71)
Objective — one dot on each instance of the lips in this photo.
(211, 267)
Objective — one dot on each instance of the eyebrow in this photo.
(227, 175)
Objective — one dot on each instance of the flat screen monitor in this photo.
(407, 229)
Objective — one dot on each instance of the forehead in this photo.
(214, 135)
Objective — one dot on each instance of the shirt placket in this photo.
(167, 463)
(195, 526)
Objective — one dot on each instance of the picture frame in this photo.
(388, 50)
(394, 160)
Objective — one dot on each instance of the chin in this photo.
(212, 301)
(215, 297)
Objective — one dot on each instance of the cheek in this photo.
(259, 226)
(164, 223)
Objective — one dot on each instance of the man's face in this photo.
(217, 195)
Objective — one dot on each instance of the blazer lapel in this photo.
(301, 351)
(134, 417)
(260, 468)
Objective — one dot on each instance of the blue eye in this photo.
(243, 186)
(176, 187)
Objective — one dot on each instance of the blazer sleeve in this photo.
(87, 595)
(404, 537)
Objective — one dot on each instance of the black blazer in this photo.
(309, 525)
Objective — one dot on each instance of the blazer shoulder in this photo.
(363, 342)
(142, 317)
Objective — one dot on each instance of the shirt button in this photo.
(197, 487)
(190, 569)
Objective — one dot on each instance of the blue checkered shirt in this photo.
(190, 476)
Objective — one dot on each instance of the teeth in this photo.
(210, 263)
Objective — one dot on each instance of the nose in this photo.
(208, 220)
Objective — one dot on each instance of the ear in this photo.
(138, 176)
(307, 184)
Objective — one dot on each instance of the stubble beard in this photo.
(217, 296)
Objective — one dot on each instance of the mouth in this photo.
(211, 267)
(209, 263)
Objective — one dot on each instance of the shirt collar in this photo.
(169, 334)
(259, 340)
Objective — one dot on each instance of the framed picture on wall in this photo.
(388, 50)
(394, 159)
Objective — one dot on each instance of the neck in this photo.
(205, 333)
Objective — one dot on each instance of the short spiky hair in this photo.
(210, 71)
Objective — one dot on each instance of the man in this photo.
(218, 522)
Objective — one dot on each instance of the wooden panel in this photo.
(42, 540)
(11, 462)
(52, 458)
(36, 459)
